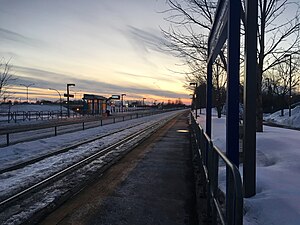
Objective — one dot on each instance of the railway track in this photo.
(28, 202)
(59, 151)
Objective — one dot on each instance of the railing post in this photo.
(7, 139)
(214, 182)
(101, 124)
(55, 131)
(82, 125)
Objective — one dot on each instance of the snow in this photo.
(29, 107)
(278, 171)
(11, 182)
(278, 168)
(293, 121)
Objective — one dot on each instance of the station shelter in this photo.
(94, 104)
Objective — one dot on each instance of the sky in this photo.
(104, 47)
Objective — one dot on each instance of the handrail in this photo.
(209, 155)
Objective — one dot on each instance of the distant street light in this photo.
(122, 99)
(68, 97)
(195, 94)
(27, 86)
(144, 101)
(290, 83)
(60, 102)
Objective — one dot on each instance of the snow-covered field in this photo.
(278, 172)
(5, 108)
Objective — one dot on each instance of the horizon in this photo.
(104, 48)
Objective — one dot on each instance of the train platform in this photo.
(153, 184)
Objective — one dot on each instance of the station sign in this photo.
(115, 97)
(219, 31)
(70, 96)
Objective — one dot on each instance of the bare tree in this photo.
(6, 79)
(278, 33)
(278, 81)
(191, 21)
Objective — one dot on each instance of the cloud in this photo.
(47, 79)
(16, 37)
(145, 40)
(143, 76)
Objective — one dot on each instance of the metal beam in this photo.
(233, 83)
(209, 98)
(249, 142)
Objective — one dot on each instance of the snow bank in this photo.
(293, 121)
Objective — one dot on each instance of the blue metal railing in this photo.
(232, 212)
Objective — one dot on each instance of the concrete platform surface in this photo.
(153, 186)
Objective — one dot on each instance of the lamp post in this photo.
(196, 85)
(122, 99)
(68, 97)
(27, 87)
(60, 102)
(290, 82)
(144, 101)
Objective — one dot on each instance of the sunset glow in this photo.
(104, 47)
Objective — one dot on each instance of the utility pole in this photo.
(27, 87)
(122, 99)
(290, 82)
(68, 97)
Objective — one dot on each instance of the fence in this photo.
(208, 156)
(18, 116)
(81, 123)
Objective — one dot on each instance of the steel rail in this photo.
(78, 165)
(8, 130)
(59, 151)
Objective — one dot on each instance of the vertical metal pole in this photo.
(232, 109)
(290, 94)
(233, 84)
(55, 131)
(209, 98)
(7, 139)
(249, 141)
(68, 100)
(196, 99)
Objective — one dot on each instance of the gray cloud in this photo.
(46, 79)
(145, 39)
(16, 37)
(142, 76)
